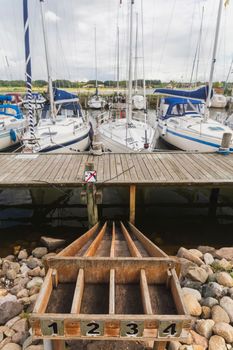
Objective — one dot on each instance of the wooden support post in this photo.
(92, 208)
(213, 202)
(58, 344)
(132, 203)
(160, 345)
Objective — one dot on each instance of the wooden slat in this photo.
(78, 293)
(177, 294)
(146, 302)
(112, 292)
(132, 247)
(44, 294)
(112, 249)
(95, 244)
(132, 203)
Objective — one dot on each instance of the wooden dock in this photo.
(114, 284)
(151, 169)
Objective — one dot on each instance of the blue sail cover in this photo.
(199, 94)
(67, 100)
(5, 98)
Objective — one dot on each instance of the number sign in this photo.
(169, 329)
(52, 328)
(92, 328)
(132, 329)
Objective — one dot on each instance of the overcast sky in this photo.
(171, 32)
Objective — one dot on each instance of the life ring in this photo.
(13, 135)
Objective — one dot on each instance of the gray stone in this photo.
(219, 314)
(39, 252)
(9, 265)
(227, 304)
(210, 302)
(11, 346)
(224, 330)
(33, 262)
(9, 258)
(206, 249)
(52, 243)
(192, 291)
(23, 293)
(208, 258)
(191, 284)
(9, 307)
(20, 337)
(21, 325)
(11, 274)
(12, 321)
(35, 347)
(35, 272)
(213, 289)
(185, 253)
(36, 281)
(24, 269)
(22, 254)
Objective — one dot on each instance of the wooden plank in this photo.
(133, 173)
(120, 175)
(95, 244)
(161, 345)
(78, 293)
(146, 302)
(177, 294)
(132, 203)
(112, 249)
(44, 294)
(125, 167)
(150, 247)
(132, 247)
(58, 344)
(75, 246)
(112, 292)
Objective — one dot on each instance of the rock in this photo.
(197, 274)
(208, 269)
(24, 269)
(208, 258)
(1, 336)
(212, 278)
(224, 264)
(219, 314)
(224, 330)
(217, 343)
(35, 272)
(9, 265)
(224, 279)
(21, 281)
(174, 345)
(25, 301)
(9, 307)
(227, 304)
(226, 253)
(16, 249)
(11, 346)
(192, 291)
(185, 253)
(210, 302)
(206, 249)
(23, 293)
(204, 328)
(196, 252)
(52, 243)
(199, 339)
(42, 272)
(11, 274)
(33, 297)
(213, 289)
(9, 258)
(39, 252)
(192, 305)
(20, 337)
(36, 281)
(206, 312)
(3, 292)
(8, 332)
(191, 284)
(33, 262)
(23, 254)
(36, 347)
(21, 325)
(34, 290)
(47, 256)
(12, 321)
(4, 342)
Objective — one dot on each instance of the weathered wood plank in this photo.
(78, 293)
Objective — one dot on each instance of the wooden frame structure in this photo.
(112, 283)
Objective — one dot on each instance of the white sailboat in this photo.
(96, 101)
(59, 131)
(181, 121)
(127, 133)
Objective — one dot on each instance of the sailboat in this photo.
(181, 121)
(127, 133)
(96, 101)
(59, 131)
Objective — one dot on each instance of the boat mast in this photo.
(96, 81)
(129, 115)
(136, 58)
(143, 59)
(118, 60)
(214, 52)
(51, 97)
(28, 68)
(199, 46)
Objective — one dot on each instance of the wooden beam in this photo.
(161, 345)
(146, 302)
(112, 292)
(131, 245)
(95, 244)
(58, 344)
(44, 294)
(177, 294)
(132, 203)
(78, 294)
(112, 250)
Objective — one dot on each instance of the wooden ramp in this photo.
(161, 168)
(112, 283)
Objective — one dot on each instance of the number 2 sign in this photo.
(92, 328)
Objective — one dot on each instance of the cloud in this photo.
(52, 17)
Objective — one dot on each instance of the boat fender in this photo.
(164, 131)
(13, 135)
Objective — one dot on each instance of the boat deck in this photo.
(158, 168)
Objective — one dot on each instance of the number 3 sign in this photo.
(132, 329)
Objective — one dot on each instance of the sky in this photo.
(171, 36)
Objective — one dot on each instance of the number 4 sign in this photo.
(169, 329)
